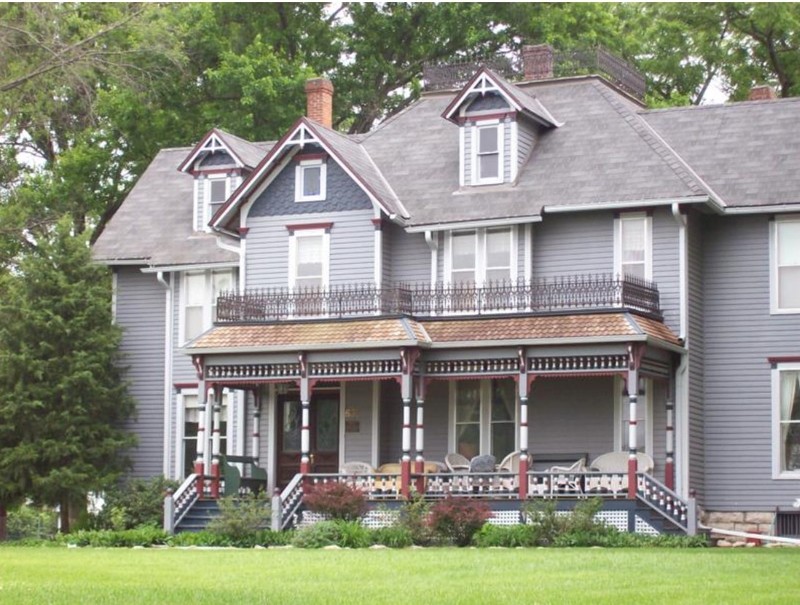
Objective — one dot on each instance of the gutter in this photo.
(682, 371)
(167, 369)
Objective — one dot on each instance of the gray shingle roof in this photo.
(249, 153)
(747, 152)
(154, 224)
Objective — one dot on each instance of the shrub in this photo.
(336, 500)
(415, 519)
(346, 534)
(140, 536)
(394, 536)
(241, 518)
(511, 536)
(31, 523)
(457, 520)
(134, 503)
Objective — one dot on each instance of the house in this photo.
(541, 267)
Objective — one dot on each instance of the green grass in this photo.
(430, 576)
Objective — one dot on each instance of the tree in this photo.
(62, 396)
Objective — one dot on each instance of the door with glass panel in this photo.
(323, 434)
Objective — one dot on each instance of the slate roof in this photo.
(374, 333)
(154, 224)
(749, 152)
(249, 153)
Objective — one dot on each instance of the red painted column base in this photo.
(215, 480)
(405, 478)
(632, 466)
(419, 469)
(199, 484)
(523, 478)
(669, 475)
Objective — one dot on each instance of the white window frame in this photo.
(775, 308)
(644, 412)
(229, 405)
(299, 179)
(207, 212)
(294, 238)
(480, 253)
(475, 152)
(619, 223)
(778, 368)
(209, 302)
(485, 416)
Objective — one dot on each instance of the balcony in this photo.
(581, 293)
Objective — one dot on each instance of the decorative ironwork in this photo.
(254, 370)
(355, 368)
(509, 365)
(578, 363)
(563, 294)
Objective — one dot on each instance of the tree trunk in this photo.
(3, 528)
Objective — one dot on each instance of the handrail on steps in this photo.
(660, 498)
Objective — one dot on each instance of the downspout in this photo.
(168, 316)
(681, 374)
(432, 239)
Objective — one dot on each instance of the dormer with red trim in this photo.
(499, 125)
(219, 163)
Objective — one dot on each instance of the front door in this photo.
(323, 429)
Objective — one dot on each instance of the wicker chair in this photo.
(456, 463)
(615, 464)
(356, 468)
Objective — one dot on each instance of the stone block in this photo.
(759, 518)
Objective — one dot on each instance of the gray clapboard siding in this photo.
(573, 244)
(351, 248)
(740, 334)
(140, 312)
(358, 444)
(695, 344)
(527, 136)
(666, 265)
(391, 417)
(410, 256)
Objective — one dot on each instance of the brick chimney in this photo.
(537, 62)
(319, 101)
(763, 92)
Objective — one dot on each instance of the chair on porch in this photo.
(614, 465)
(509, 464)
(568, 479)
(456, 463)
(356, 468)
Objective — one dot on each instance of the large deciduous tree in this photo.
(62, 395)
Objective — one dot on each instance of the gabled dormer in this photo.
(218, 163)
(499, 125)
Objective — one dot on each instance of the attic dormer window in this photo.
(310, 180)
(487, 158)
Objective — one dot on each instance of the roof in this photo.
(749, 152)
(483, 331)
(154, 225)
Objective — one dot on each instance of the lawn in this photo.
(431, 576)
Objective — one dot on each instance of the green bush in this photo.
(336, 500)
(457, 519)
(241, 517)
(509, 536)
(140, 536)
(263, 537)
(31, 523)
(394, 536)
(415, 518)
(346, 534)
(134, 503)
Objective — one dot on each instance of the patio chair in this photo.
(568, 479)
(356, 468)
(615, 464)
(456, 463)
(509, 464)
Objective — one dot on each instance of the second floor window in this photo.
(487, 146)
(632, 245)
(199, 296)
(310, 181)
(482, 256)
(308, 259)
(786, 265)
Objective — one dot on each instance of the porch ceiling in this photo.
(441, 333)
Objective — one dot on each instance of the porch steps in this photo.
(656, 521)
(199, 516)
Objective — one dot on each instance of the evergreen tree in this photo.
(62, 396)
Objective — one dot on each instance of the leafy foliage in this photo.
(141, 536)
(134, 503)
(346, 534)
(241, 517)
(336, 500)
(415, 519)
(457, 519)
(32, 522)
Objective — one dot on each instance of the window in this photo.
(191, 421)
(484, 417)
(786, 265)
(199, 295)
(487, 154)
(308, 259)
(632, 246)
(482, 256)
(216, 194)
(786, 425)
(310, 181)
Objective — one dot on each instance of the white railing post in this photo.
(277, 512)
(691, 515)
(169, 513)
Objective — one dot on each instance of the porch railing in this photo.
(571, 293)
(666, 502)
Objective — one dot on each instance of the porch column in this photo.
(199, 461)
(523, 388)
(215, 394)
(669, 465)
(408, 358)
(258, 396)
(419, 461)
(305, 434)
(634, 358)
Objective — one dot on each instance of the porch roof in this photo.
(434, 333)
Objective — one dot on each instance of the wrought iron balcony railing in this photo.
(565, 294)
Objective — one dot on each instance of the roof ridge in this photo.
(660, 147)
(726, 105)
